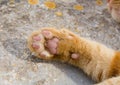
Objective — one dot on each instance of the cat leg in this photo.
(52, 44)
(114, 9)
(111, 81)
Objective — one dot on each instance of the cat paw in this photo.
(50, 43)
(114, 9)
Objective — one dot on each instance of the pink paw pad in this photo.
(47, 34)
(35, 45)
(52, 45)
(36, 38)
(75, 56)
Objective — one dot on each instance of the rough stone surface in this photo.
(19, 67)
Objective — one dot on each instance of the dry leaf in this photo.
(33, 2)
(78, 7)
(99, 2)
(50, 5)
(12, 1)
(58, 13)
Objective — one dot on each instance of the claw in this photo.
(45, 54)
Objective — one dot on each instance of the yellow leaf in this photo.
(58, 13)
(12, 1)
(50, 5)
(99, 2)
(33, 2)
(78, 7)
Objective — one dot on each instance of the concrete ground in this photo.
(19, 67)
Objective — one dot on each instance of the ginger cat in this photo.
(114, 9)
(95, 59)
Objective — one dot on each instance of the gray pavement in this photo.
(19, 67)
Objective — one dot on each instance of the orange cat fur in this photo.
(96, 60)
